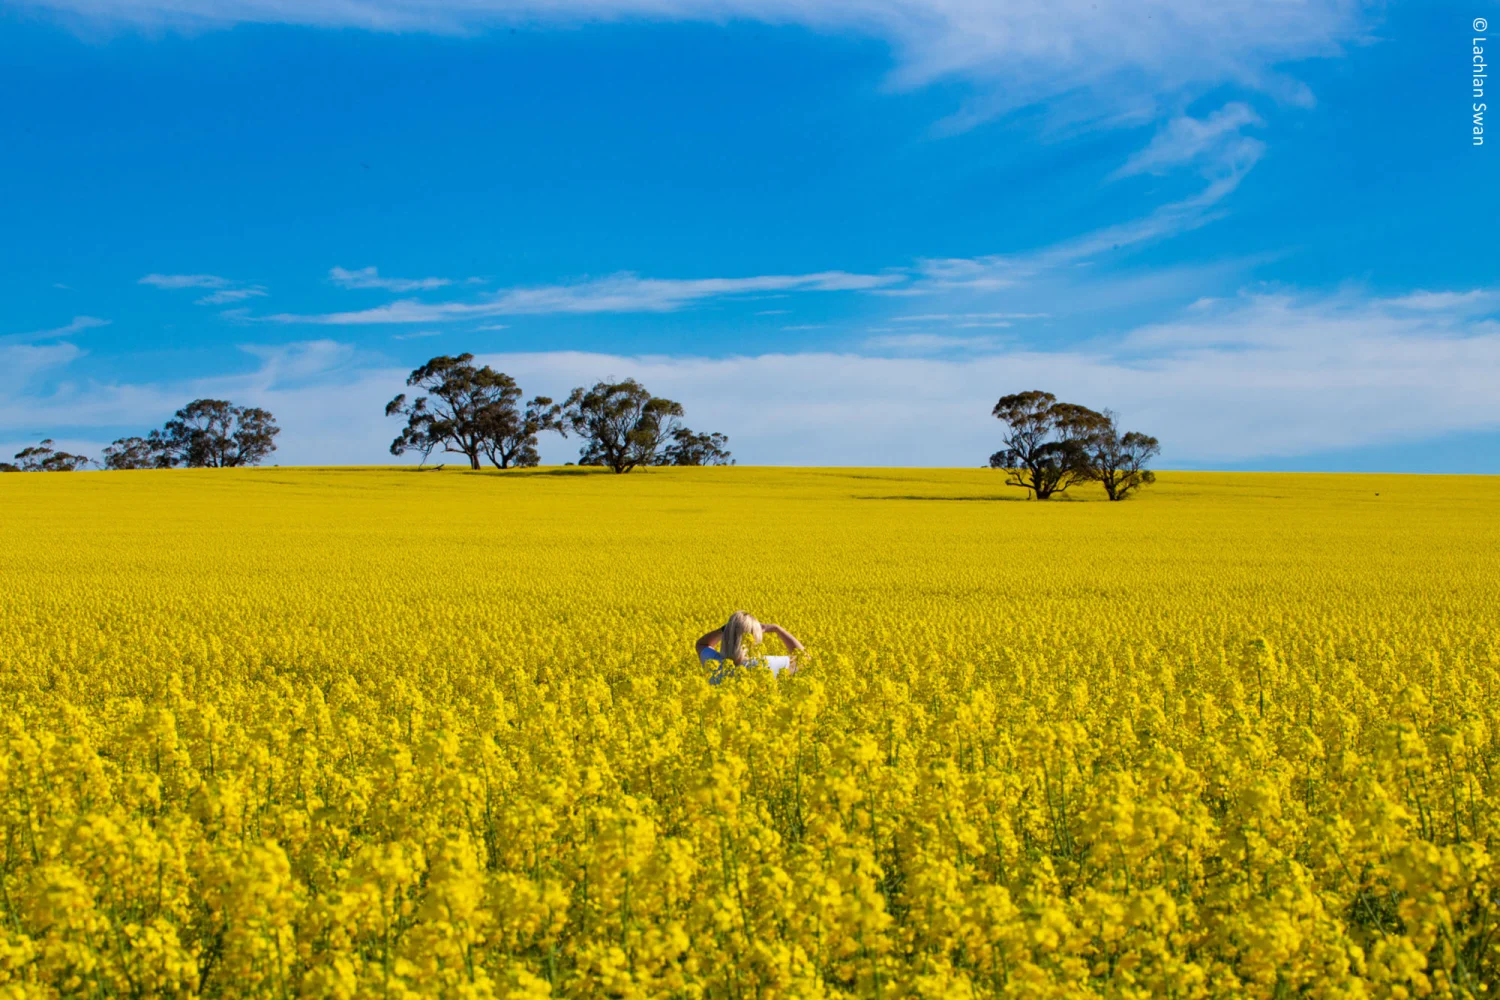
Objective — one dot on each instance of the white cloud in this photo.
(494, 326)
(418, 334)
(225, 290)
(1237, 379)
(927, 343)
(327, 400)
(286, 363)
(77, 325)
(1021, 52)
(1259, 376)
(21, 363)
(227, 295)
(617, 293)
(969, 319)
(369, 277)
(972, 277)
(1478, 299)
(76, 446)
(1215, 142)
(998, 272)
(175, 281)
(403, 311)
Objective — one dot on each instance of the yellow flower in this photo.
(369, 733)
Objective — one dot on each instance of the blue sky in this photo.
(835, 230)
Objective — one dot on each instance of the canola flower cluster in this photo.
(388, 733)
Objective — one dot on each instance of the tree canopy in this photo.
(692, 448)
(206, 433)
(1051, 445)
(509, 434)
(1118, 461)
(1046, 442)
(44, 458)
(621, 424)
(148, 452)
(471, 410)
(214, 434)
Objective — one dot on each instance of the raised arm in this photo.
(710, 639)
(790, 641)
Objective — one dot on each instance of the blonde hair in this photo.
(741, 626)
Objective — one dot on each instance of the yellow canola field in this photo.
(388, 733)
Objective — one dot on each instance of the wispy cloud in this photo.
(969, 319)
(21, 363)
(77, 325)
(226, 295)
(1336, 330)
(1478, 299)
(1215, 143)
(284, 364)
(806, 326)
(223, 290)
(621, 293)
(1016, 53)
(416, 334)
(972, 281)
(176, 281)
(326, 397)
(494, 326)
(929, 343)
(966, 283)
(1251, 377)
(1235, 379)
(369, 277)
(997, 272)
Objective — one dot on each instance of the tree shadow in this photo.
(1003, 498)
(464, 470)
(536, 473)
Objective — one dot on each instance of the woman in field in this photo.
(735, 639)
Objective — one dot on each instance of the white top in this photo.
(727, 668)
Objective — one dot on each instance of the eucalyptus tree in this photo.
(509, 433)
(216, 434)
(1046, 442)
(1118, 461)
(44, 458)
(621, 424)
(692, 448)
(148, 452)
(471, 410)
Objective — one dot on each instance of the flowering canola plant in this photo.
(389, 733)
